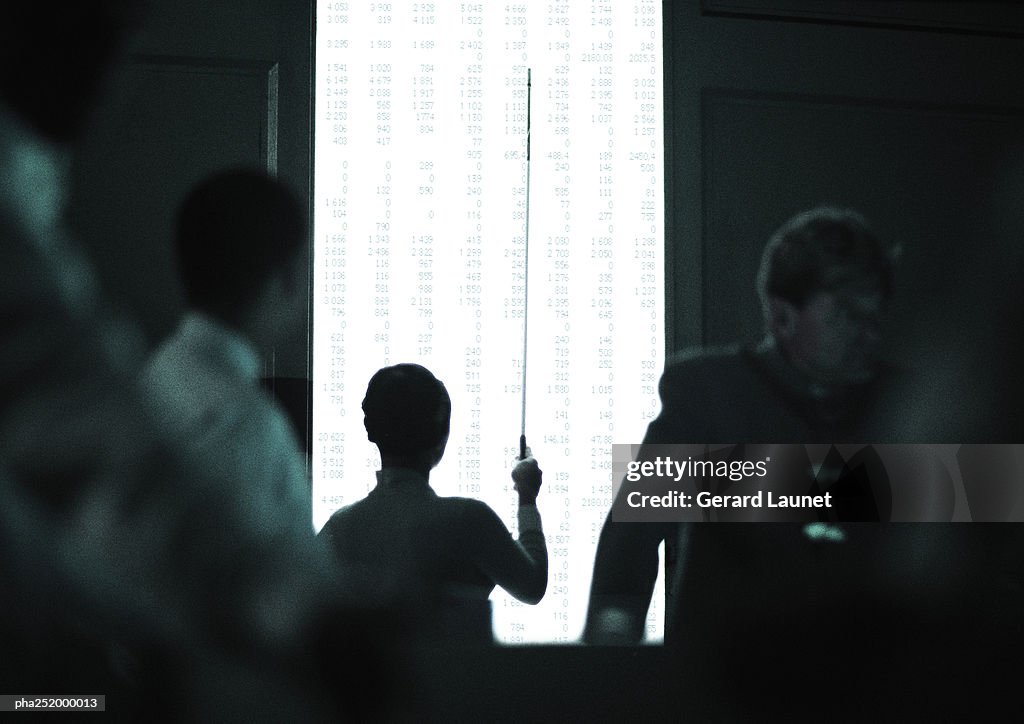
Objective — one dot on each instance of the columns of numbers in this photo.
(471, 276)
(421, 206)
(598, 61)
(561, 265)
(332, 231)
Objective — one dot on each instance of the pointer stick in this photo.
(526, 264)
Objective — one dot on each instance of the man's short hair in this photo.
(406, 410)
(823, 249)
(235, 230)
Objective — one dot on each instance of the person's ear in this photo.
(782, 318)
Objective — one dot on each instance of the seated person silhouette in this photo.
(419, 546)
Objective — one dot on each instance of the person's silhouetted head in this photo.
(241, 238)
(53, 56)
(824, 281)
(407, 413)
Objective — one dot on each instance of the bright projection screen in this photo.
(421, 254)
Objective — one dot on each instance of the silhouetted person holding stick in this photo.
(448, 550)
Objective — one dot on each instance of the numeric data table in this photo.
(421, 255)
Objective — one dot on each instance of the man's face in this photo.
(835, 337)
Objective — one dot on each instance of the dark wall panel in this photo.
(927, 176)
(174, 122)
(205, 85)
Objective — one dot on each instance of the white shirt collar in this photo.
(217, 342)
(392, 477)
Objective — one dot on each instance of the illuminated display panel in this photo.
(420, 253)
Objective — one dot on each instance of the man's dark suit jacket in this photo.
(755, 606)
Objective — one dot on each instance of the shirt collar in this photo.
(216, 342)
(393, 478)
